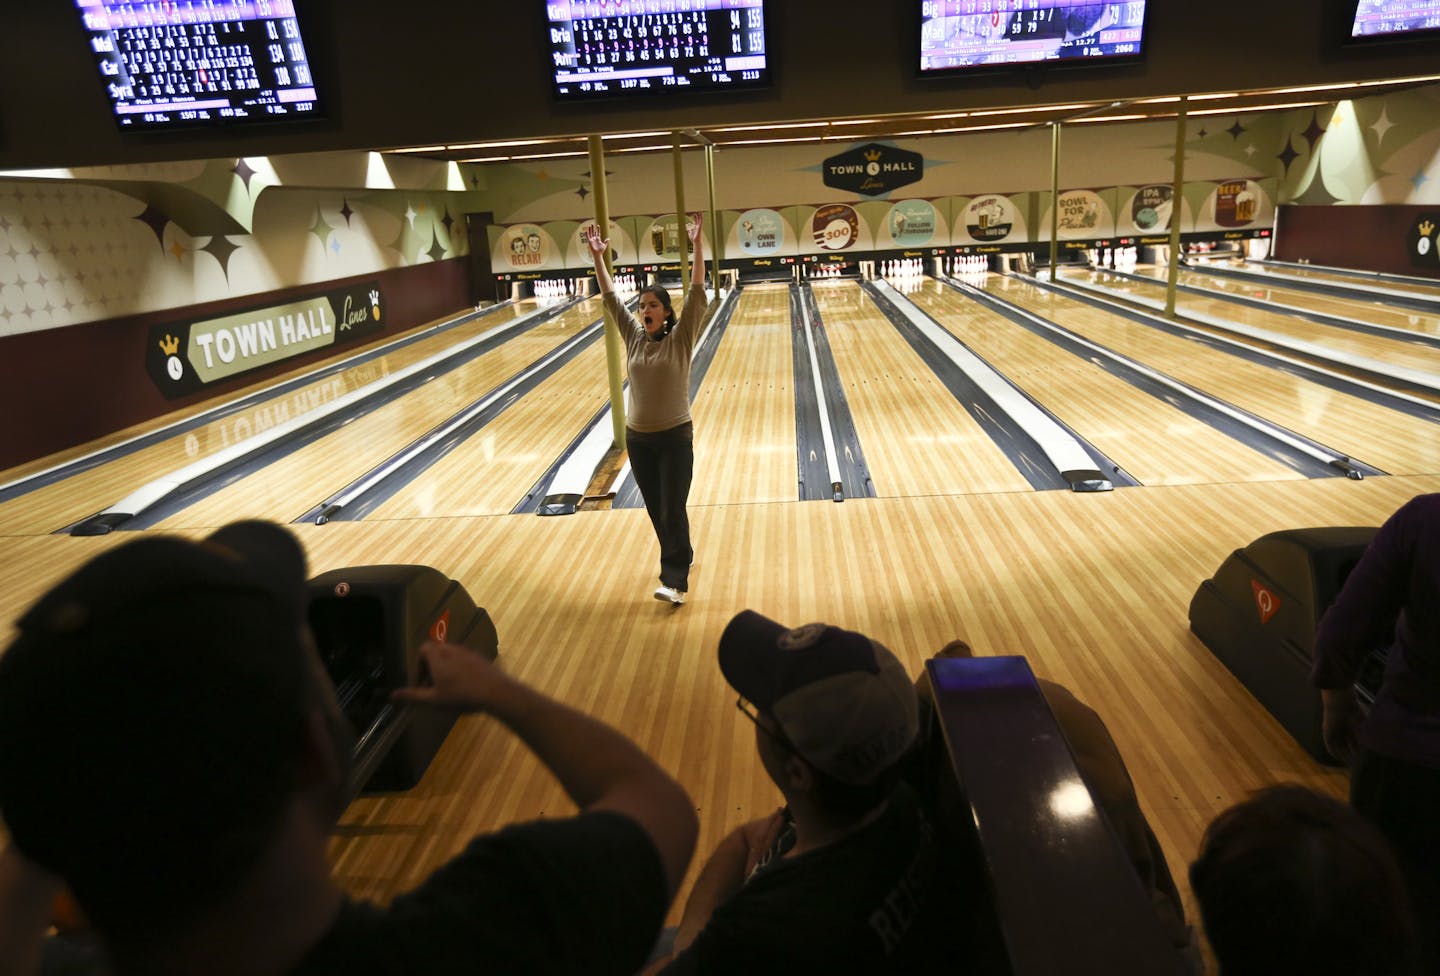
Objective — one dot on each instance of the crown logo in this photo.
(169, 345)
(1426, 228)
(872, 155)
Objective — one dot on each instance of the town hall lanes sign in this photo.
(873, 169)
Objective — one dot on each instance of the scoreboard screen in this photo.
(633, 47)
(959, 35)
(171, 64)
(1395, 19)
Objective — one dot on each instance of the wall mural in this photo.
(95, 244)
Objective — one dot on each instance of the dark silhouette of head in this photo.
(154, 710)
(1293, 882)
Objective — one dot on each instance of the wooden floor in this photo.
(1097, 404)
(1376, 313)
(1336, 339)
(1092, 588)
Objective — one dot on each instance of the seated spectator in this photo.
(174, 753)
(843, 878)
(1391, 601)
(1293, 883)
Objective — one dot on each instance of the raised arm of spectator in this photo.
(598, 247)
(598, 767)
(695, 228)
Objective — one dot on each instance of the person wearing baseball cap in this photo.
(844, 878)
(173, 752)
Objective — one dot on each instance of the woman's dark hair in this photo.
(663, 297)
(1294, 882)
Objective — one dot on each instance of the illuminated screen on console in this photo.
(956, 35)
(630, 47)
(181, 63)
(1395, 18)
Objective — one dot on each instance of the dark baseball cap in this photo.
(152, 701)
(843, 700)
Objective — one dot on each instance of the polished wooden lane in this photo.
(1360, 281)
(1119, 419)
(1335, 339)
(1369, 432)
(1093, 589)
(744, 412)
(1372, 311)
(491, 471)
(290, 486)
(50, 508)
(917, 438)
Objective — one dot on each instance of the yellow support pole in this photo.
(614, 346)
(1054, 199)
(1176, 209)
(680, 214)
(717, 239)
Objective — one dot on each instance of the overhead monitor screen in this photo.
(183, 63)
(1380, 19)
(634, 47)
(961, 35)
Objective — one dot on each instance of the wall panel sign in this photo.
(182, 357)
(873, 169)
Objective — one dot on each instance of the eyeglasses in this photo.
(749, 710)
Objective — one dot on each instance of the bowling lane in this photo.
(1344, 342)
(491, 471)
(49, 508)
(918, 439)
(1154, 441)
(1360, 280)
(289, 487)
(1372, 311)
(1363, 430)
(745, 410)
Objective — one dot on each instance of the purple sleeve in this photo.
(1363, 616)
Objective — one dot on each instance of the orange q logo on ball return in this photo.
(835, 227)
(1266, 602)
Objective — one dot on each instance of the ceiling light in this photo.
(1105, 118)
(553, 155)
(1034, 108)
(778, 125)
(501, 145)
(1398, 81)
(1247, 109)
(766, 142)
(1306, 88)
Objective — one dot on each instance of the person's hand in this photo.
(459, 678)
(598, 245)
(1340, 723)
(759, 836)
(692, 226)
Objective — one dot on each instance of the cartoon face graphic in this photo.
(533, 243)
(517, 246)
